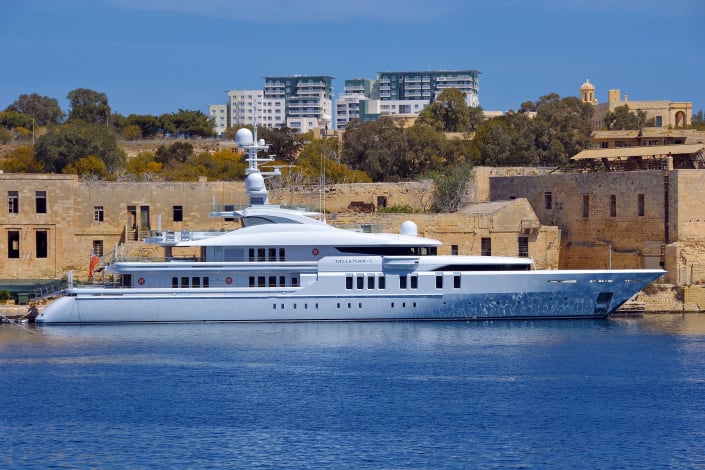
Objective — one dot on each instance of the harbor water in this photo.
(617, 393)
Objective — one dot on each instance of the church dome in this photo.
(587, 85)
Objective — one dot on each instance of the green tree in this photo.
(698, 121)
(284, 143)
(42, 109)
(131, 132)
(563, 128)
(5, 136)
(622, 118)
(449, 187)
(378, 148)
(65, 144)
(144, 167)
(449, 113)
(90, 166)
(88, 106)
(559, 128)
(185, 123)
(493, 141)
(224, 165)
(21, 160)
(15, 119)
(178, 152)
(427, 149)
(149, 126)
(321, 155)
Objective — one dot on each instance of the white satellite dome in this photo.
(409, 228)
(243, 137)
(254, 182)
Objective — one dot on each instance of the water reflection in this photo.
(687, 324)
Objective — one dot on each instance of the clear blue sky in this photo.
(159, 56)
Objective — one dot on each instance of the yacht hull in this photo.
(475, 296)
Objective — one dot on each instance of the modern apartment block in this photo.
(308, 100)
(401, 93)
(305, 102)
(347, 106)
(298, 102)
(218, 114)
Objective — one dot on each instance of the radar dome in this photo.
(409, 228)
(254, 182)
(243, 137)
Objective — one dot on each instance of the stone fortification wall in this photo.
(478, 189)
(418, 194)
(78, 214)
(598, 213)
(338, 197)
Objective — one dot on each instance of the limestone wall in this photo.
(70, 218)
(610, 231)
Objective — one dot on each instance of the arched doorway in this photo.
(680, 119)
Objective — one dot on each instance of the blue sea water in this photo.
(618, 393)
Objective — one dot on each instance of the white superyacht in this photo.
(286, 265)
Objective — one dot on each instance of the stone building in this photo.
(52, 223)
(621, 219)
(665, 113)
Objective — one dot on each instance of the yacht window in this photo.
(205, 281)
(260, 254)
(414, 282)
(184, 282)
(370, 282)
(439, 281)
(272, 254)
(282, 281)
(360, 282)
(348, 282)
(294, 282)
(260, 281)
(252, 281)
(402, 281)
(456, 281)
(252, 220)
(195, 282)
(389, 250)
(282, 254)
(251, 253)
(174, 282)
(272, 281)
(234, 254)
(382, 283)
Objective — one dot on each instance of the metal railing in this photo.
(48, 290)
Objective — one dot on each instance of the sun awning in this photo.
(651, 151)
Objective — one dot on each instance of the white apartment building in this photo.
(401, 94)
(250, 106)
(218, 114)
